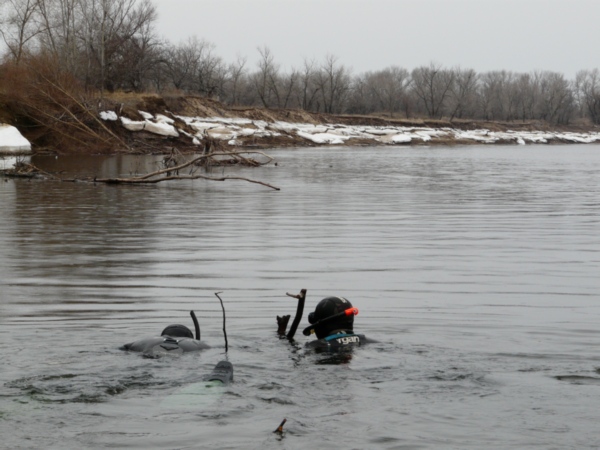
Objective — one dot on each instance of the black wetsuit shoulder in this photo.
(164, 345)
(338, 342)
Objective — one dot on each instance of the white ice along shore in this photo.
(230, 129)
(12, 142)
(12, 146)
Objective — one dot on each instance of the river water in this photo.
(474, 268)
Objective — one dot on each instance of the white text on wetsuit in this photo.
(348, 340)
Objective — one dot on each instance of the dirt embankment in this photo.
(329, 129)
(83, 131)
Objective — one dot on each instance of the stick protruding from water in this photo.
(224, 330)
(279, 429)
(299, 310)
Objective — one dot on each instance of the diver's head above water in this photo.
(334, 308)
(177, 330)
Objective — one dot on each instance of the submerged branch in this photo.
(25, 170)
(166, 173)
(140, 180)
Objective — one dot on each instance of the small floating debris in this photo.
(279, 429)
(578, 379)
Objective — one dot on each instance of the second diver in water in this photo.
(333, 323)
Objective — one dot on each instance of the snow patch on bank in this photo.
(12, 141)
(232, 129)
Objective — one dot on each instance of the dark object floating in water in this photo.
(222, 372)
(174, 339)
(578, 379)
(279, 429)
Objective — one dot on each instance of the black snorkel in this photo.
(196, 325)
(311, 328)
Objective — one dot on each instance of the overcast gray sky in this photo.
(517, 35)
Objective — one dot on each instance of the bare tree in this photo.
(588, 86)
(288, 85)
(237, 72)
(334, 82)
(360, 99)
(463, 93)
(388, 88)
(432, 86)
(210, 71)
(499, 96)
(182, 62)
(157, 73)
(138, 57)
(107, 27)
(526, 86)
(307, 86)
(557, 102)
(265, 79)
(18, 28)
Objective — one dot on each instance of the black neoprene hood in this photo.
(177, 331)
(328, 307)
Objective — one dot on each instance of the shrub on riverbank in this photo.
(51, 108)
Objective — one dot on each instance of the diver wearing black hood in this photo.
(177, 339)
(333, 322)
(174, 339)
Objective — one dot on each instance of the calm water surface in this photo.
(475, 268)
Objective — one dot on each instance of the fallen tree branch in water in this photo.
(136, 180)
(172, 172)
(208, 157)
(25, 170)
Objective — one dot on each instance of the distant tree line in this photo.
(111, 45)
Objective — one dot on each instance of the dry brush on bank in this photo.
(52, 108)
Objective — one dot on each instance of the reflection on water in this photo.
(474, 268)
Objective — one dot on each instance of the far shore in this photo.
(154, 125)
